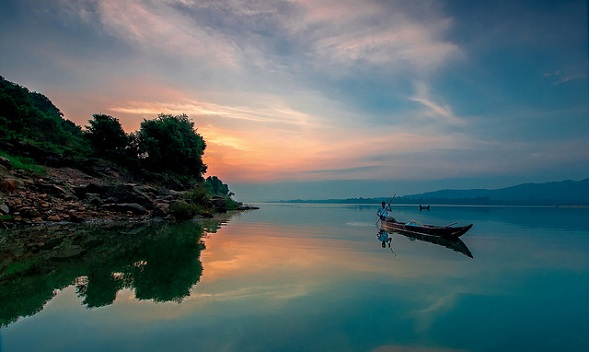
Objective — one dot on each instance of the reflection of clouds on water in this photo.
(361, 224)
(435, 306)
(418, 348)
(330, 285)
(263, 292)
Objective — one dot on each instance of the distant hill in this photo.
(550, 193)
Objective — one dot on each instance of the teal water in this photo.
(291, 277)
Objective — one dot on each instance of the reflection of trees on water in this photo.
(160, 262)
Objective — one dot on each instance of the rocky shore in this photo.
(69, 195)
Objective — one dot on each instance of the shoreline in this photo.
(66, 195)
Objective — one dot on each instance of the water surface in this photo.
(294, 277)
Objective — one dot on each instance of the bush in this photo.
(183, 211)
(197, 195)
(23, 163)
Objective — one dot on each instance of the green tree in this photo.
(216, 187)
(106, 135)
(170, 143)
(30, 118)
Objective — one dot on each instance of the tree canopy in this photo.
(167, 148)
(30, 117)
(216, 187)
(171, 142)
(106, 135)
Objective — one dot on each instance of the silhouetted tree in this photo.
(216, 187)
(106, 135)
(31, 118)
(171, 143)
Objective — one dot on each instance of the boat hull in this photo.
(448, 232)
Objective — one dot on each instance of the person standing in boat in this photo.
(383, 212)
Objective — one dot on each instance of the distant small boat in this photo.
(421, 207)
(415, 227)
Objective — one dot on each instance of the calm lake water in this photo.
(291, 277)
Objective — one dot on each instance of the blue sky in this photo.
(316, 99)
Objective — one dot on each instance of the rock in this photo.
(78, 216)
(6, 163)
(159, 211)
(8, 186)
(94, 199)
(55, 190)
(124, 207)
(55, 218)
(81, 191)
(29, 212)
(219, 204)
(4, 208)
(127, 193)
(148, 189)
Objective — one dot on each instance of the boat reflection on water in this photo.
(456, 245)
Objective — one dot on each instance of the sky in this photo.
(301, 99)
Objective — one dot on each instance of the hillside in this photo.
(551, 193)
(52, 170)
(574, 193)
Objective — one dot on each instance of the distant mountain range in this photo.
(550, 193)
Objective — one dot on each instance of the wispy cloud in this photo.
(303, 89)
(158, 28)
(562, 76)
(435, 110)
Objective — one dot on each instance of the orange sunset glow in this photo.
(408, 94)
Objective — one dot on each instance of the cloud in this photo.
(349, 33)
(157, 28)
(302, 89)
(258, 34)
(561, 76)
(436, 111)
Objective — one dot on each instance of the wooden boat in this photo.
(415, 227)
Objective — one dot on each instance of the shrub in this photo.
(197, 195)
(183, 211)
(23, 163)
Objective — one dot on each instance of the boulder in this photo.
(6, 163)
(78, 216)
(81, 191)
(54, 217)
(55, 190)
(94, 199)
(124, 207)
(219, 204)
(8, 185)
(4, 208)
(128, 193)
(160, 211)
